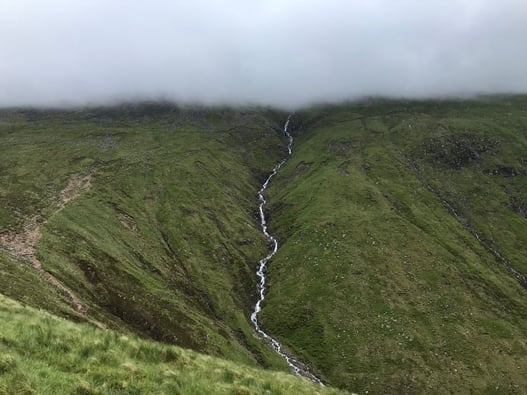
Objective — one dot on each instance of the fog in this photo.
(285, 53)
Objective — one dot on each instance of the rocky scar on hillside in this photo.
(22, 244)
(459, 150)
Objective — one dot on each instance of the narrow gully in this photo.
(296, 366)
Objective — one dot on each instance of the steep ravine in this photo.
(298, 368)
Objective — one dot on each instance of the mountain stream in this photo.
(297, 367)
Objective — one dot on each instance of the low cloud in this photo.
(285, 53)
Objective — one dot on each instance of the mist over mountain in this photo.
(280, 53)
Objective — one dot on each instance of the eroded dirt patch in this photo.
(76, 186)
(22, 244)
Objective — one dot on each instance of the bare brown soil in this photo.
(22, 244)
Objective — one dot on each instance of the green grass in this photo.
(165, 242)
(376, 284)
(24, 284)
(42, 354)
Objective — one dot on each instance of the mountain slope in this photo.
(402, 230)
(377, 283)
(146, 213)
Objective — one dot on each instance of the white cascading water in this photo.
(293, 363)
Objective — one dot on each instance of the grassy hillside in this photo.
(403, 233)
(41, 354)
(146, 213)
(381, 282)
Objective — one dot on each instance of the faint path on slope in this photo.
(22, 245)
(298, 367)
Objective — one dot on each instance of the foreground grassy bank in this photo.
(381, 281)
(42, 354)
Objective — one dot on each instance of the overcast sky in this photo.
(286, 53)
